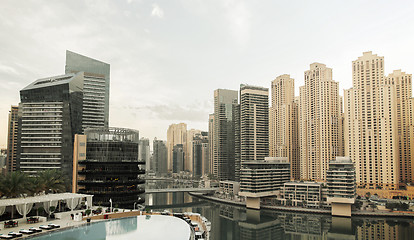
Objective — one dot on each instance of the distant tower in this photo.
(319, 120)
(178, 158)
(96, 88)
(222, 136)
(176, 134)
(144, 152)
(283, 125)
(160, 153)
(12, 132)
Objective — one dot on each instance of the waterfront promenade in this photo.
(359, 213)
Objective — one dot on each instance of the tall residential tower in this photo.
(283, 123)
(319, 119)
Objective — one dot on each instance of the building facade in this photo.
(178, 158)
(283, 123)
(402, 83)
(12, 133)
(112, 170)
(160, 156)
(371, 125)
(144, 153)
(95, 89)
(261, 178)
(254, 123)
(319, 131)
(225, 102)
(176, 134)
(50, 114)
(199, 154)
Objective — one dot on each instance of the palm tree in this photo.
(13, 185)
(53, 181)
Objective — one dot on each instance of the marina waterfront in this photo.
(233, 222)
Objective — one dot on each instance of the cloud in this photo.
(8, 70)
(238, 15)
(157, 11)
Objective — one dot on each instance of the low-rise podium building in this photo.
(263, 178)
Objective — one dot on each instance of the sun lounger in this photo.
(6, 236)
(35, 229)
(45, 227)
(15, 234)
(53, 225)
(26, 231)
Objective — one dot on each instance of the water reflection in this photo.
(232, 222)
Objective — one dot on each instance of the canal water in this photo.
(233, 223)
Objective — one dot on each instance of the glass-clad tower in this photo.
(112, 169)
(50, 113)
(96, 88)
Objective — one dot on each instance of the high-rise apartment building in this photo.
(95, 89)
(178, 156)
(188, 164)
(210, 142)
(50, 114)
(283, 123)
(254, 123)
(319, 119)
(199, 152)
(12, 132)
(144, 152)
(405, 122)
(371, 124)
(176, 134)
(223, 143)
(159, 156)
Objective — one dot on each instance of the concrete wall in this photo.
(252, 202)
(341, 209)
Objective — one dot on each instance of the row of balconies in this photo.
(107, 182)
(104, 192)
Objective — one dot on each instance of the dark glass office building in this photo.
(50, 113)
(112, 169)
(95, 89)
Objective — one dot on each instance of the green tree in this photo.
(52, 181)
(13, 185)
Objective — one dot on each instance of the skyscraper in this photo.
(12, 133)
(159, 157)
(210, 142)
(223, 134)
(283, 125)
(50, 114)
(379, 124)
(176, 134)
(178, 156)
(95, 90)
(319, 120)
(254, 123)
(199, 154)
(188, 164)
(405, 122)
(144, 152)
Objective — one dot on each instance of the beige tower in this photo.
(12, 139)
(370, 126)
(404, 100)
(176, 134)
(283, 124)
(319, 119)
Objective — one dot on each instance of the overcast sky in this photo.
(167, 57)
